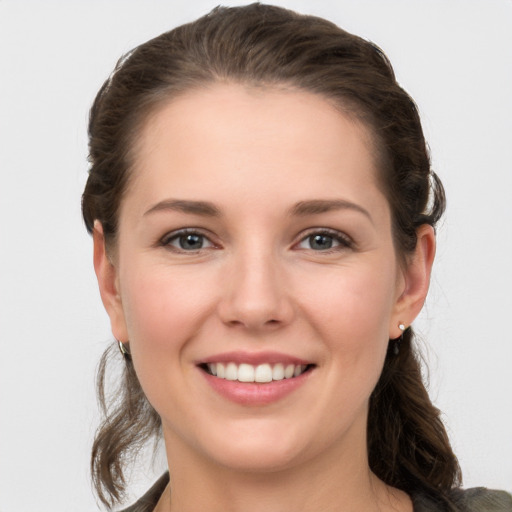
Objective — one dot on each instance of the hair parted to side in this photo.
(271, 46)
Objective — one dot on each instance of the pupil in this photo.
(191, 242)
(320, 242)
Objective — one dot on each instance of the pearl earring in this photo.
(398, 341)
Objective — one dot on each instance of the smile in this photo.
(260, 373)
(255, 378)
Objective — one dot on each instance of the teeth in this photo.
(289, 371)
(298, 370)
(231, 371)
(278, 372)
(261, 373)
(245, 373)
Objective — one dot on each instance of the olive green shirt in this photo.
(477, 499)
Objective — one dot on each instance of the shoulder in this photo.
(148, 502)
(477, 499)
(480, 499)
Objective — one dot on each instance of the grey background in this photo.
(454, 57)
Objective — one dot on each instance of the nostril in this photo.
(236, 323)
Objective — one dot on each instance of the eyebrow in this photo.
(192, 207)
(301, 209)
(317, 206)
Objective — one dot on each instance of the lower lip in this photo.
(253, 393)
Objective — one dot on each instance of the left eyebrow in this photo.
(317, 206)
(192, 207)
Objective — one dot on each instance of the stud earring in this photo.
(398, 341)
(124, 350)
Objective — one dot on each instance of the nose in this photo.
(255, 294)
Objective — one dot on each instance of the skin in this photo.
(258, 284)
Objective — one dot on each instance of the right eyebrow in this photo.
(318, 206)
(180, 205)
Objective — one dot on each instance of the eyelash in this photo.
(343, 241)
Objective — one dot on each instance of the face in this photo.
(255, 276)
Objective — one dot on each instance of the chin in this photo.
(260, 459)
(255, 447)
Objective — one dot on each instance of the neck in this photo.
(343, 483)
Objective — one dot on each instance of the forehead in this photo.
(266, 140)
(268, 108)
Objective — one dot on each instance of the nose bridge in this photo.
(256, 293)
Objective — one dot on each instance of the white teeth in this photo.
(278, 372)
(261, 373)
(231, 371)
(298, 370)
(289, 371)
(246, 373)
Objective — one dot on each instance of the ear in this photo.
(106, 273)
(416, 281)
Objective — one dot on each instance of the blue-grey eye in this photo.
(191, 242)
(188, 241)
(324, 241)
(321, 242)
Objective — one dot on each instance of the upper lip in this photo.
(254, 358)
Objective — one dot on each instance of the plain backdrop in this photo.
(454, 57)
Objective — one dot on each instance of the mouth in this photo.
(255, 379)
(260, 374)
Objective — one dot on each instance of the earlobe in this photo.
(416, 280)
(106, 273)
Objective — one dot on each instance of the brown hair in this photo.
(264, 45)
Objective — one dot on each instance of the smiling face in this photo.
(255, 277)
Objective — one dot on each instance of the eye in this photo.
(325, 240)
(187, 241)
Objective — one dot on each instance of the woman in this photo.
(263, 212)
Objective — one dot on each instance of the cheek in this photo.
(348, 310)
(351, 312)
(164, 311)
(351, 306)
(164, 308)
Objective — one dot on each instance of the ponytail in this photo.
(408, 446)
